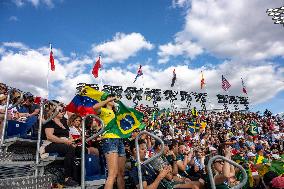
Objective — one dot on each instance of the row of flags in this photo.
(225, 83)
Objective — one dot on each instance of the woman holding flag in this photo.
(113, 146)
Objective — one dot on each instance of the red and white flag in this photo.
(96, 68)
(51, 59)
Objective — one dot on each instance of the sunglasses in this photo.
(61, 110)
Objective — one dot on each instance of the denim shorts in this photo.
(115, 145)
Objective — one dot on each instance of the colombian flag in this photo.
(83, 103)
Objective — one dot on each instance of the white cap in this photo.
(250, 154)
(211, 148)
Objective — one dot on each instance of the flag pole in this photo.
(101, 79)
(243, 86)
(227, 91)
(205, 88)
(47, 76)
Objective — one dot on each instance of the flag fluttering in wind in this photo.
(225, 83)
(126, 120)
(253, 129)
(244, 87)
(51, 59)
(202, 81)
(174, 78)
(96, 68)
(139, 73)
(83, 103)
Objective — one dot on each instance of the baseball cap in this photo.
(250, 154)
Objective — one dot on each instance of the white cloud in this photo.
(18, 3)
(180, 3)
(35, 3)
(13, 19)
(16, 45)
(121, 47)
(187, 48)
(234, 29)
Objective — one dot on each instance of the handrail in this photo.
(41, 122)
(83, 145)
(148, 160)
(6, 113)
(212, 181)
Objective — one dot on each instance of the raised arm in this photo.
(103, 103)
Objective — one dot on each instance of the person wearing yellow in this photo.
(113, 147)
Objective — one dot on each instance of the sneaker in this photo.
(70, 182)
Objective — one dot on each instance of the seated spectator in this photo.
(56, 140)
(223, 171)
(153, 179)
(74, 123)
(28, 108)
(183, 159)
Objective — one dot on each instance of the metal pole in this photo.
(149, 160)
(39, 136)
(5, 118)
(83, 145)
(212, 181)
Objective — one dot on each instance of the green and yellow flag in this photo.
(277, 166)
(253, 130)
(125, 121)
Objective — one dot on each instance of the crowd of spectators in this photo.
(191, 138)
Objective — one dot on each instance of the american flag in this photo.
(225, 83)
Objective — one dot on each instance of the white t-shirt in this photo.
(74, 131)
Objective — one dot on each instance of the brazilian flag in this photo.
(125, 121)
(253, 130)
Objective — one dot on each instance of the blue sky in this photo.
(188, 35)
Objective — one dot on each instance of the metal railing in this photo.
(148, 160)
(84, 145)
(41, 122)
(6, 112)
(211, 178)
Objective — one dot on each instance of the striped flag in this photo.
(202, 82)
(225, 83)
(51, 59)
(139, 73)
(244, 87)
